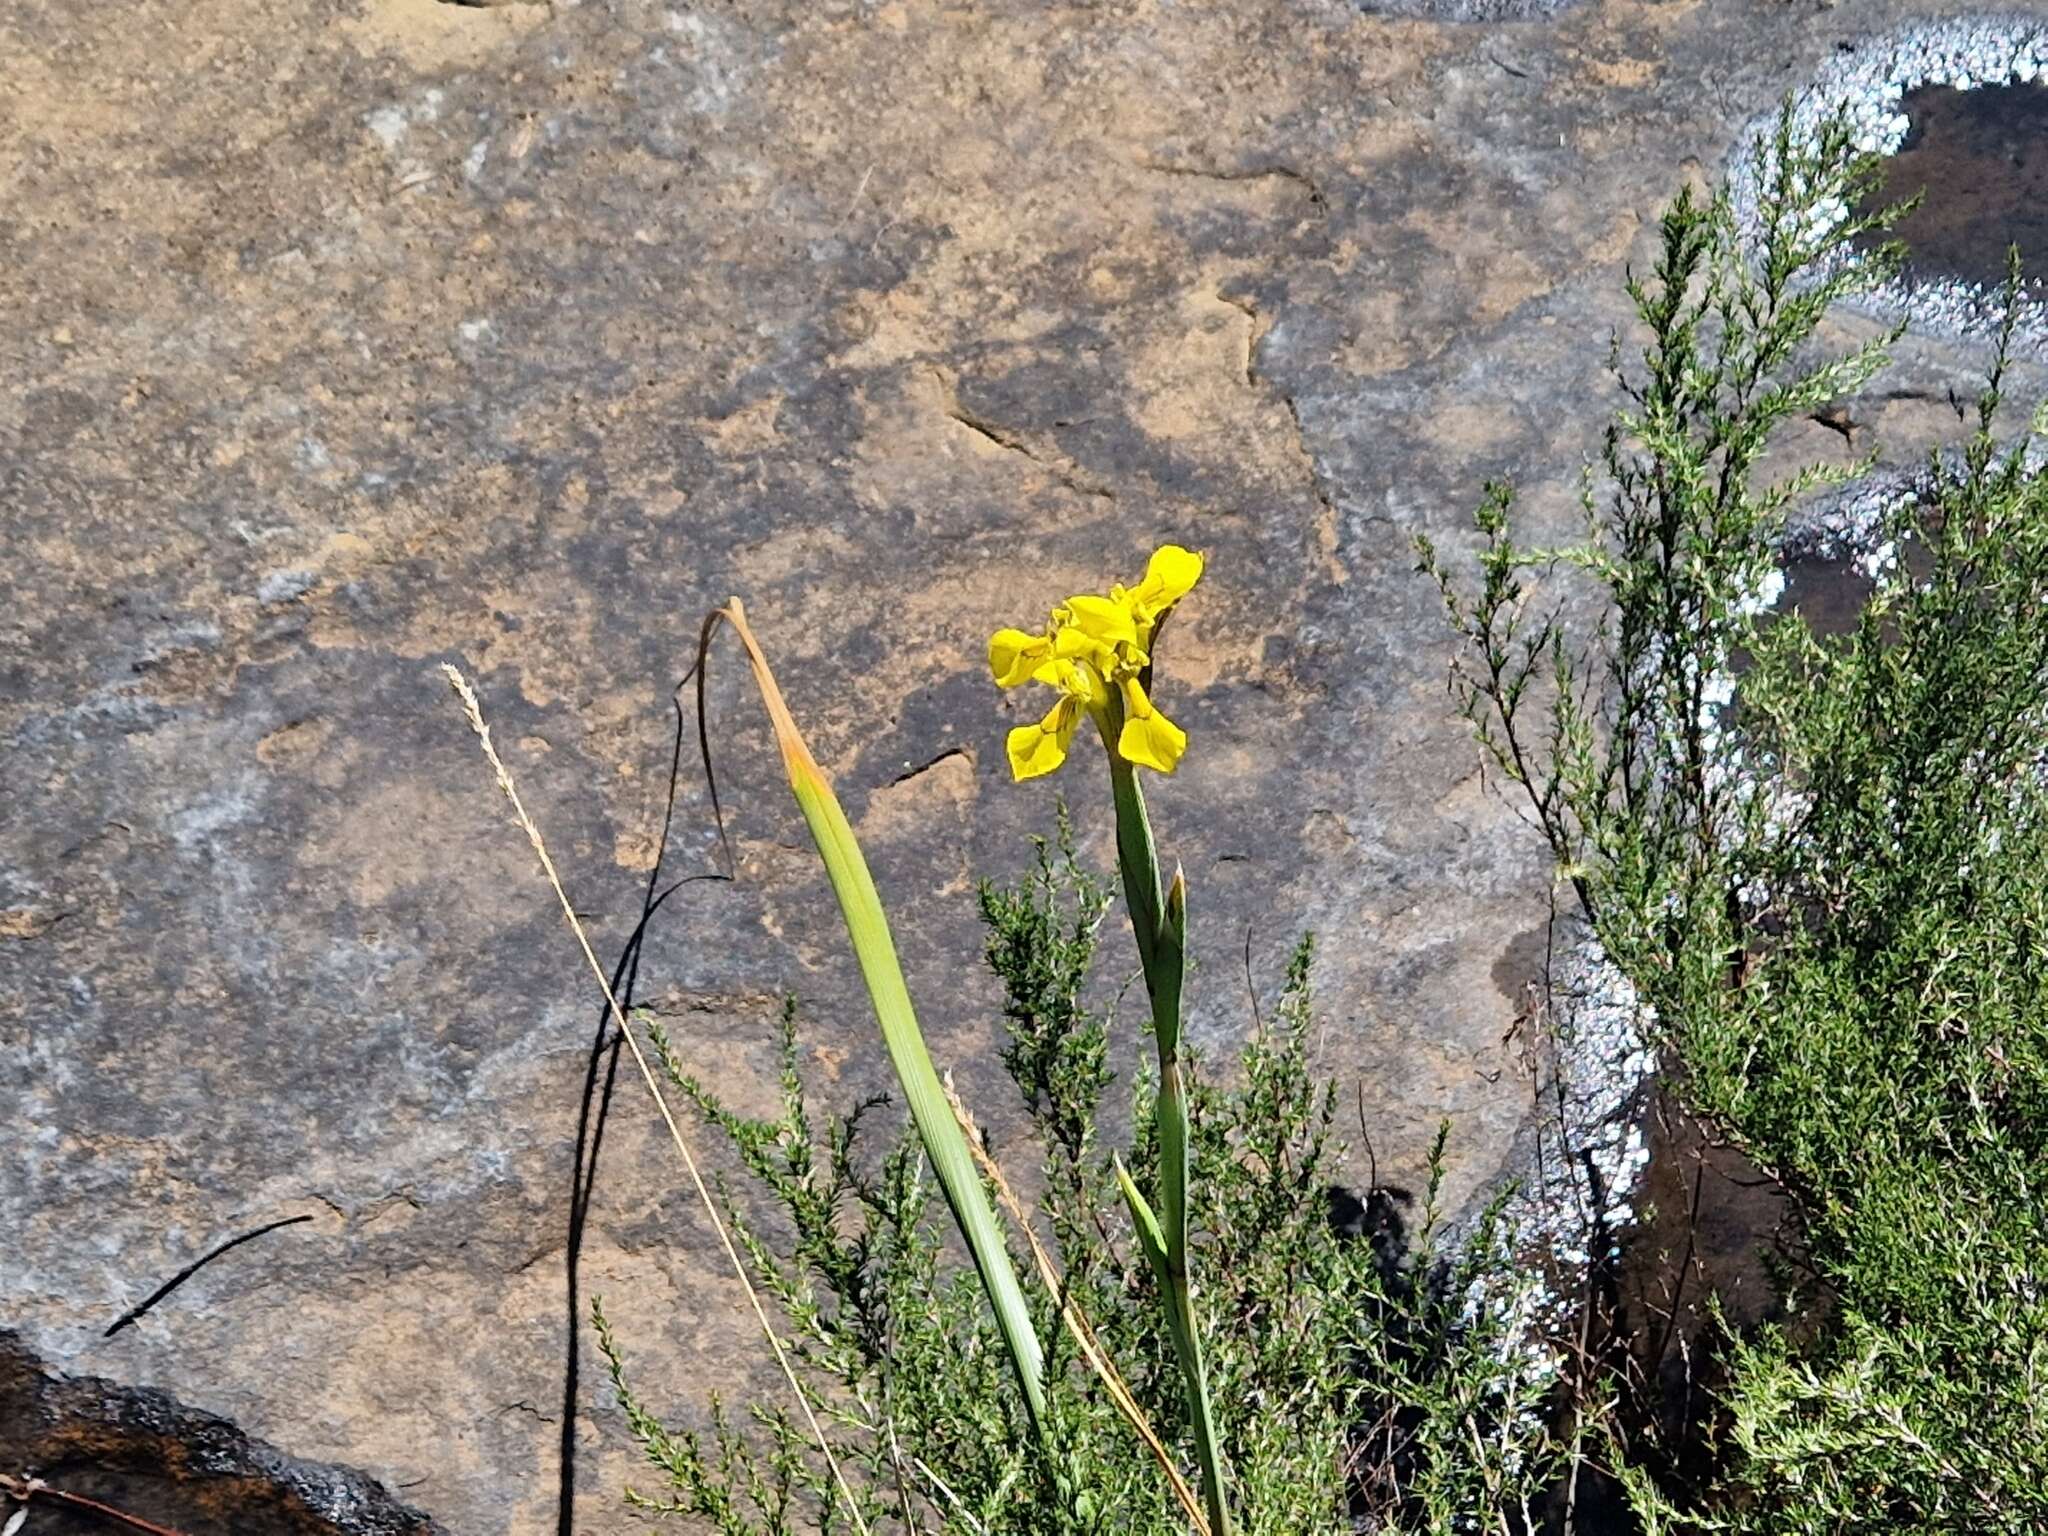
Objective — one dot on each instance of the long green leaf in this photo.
(868, 927)
(1151, 1241)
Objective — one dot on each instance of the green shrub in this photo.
(1832, 886)
(1353, 1392)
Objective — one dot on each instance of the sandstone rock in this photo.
(146, 1455)
(351, 339)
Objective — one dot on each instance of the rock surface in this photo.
(127, 1449)
(349, 339)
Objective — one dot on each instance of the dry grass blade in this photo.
(1077, 1323)
(474, 711)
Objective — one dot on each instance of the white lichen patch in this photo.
(1869, 87)
(1850, 525)
(387, 126)
(283, 586)
(1575, 1186)
(1575, 1183)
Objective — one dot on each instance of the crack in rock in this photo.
(1466, 10)
(1256, 333)
(1013, 442)
(926, 767)
(1307, 183)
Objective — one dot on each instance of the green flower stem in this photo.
(1160, 926)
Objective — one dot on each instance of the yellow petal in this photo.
(1071, 644)
(1014, 656)
(1148, 738)
(1154, 742)
(1101, 620)
(1169, 576)
(1038, 749)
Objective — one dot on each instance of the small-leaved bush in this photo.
(1359, 1388)
(1822, 859)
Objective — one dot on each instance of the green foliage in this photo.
(1458, 1384)
(1832, 887)
(1041, 937)
(1352, 1392)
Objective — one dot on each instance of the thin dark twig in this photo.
(605, 1046)
(1692, 1237)
(699, 670)
(1251, 988)
(189, 1271)
(24, 1489)
(1372, 1158)
(582, 1178)
(1600, 1285)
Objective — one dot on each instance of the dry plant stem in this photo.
(24, 1489)
(1078, 1325)
(474, 711)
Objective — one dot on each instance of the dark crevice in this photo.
(1015, 444)
(1315, 475)
(1467, 10)
(1275, 172)
(1012, 442)
(1254, 379)
(1253, 336)
(522, 1406)
(922, 768)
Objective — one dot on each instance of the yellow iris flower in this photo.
(1093, 651)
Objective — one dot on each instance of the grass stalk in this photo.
(474, 710)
